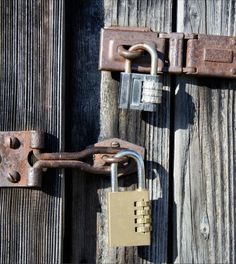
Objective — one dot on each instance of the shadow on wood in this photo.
(185, 122)
(84, 20)
(158, 204)
(156, 243)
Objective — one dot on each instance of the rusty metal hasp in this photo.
(178, 53)
(22, 162)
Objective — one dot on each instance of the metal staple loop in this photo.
(111, 160)
(74, 160)
(129, 54)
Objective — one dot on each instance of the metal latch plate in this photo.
(178, 53)
(22, 162)
(114, 37)
(212, 56)
(15, 150)
(99, 159)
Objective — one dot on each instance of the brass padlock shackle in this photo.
(140, 164)
(151, 49)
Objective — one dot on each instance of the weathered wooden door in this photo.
(190, 141)
(204, 164)
(50, 82)
(31, 89)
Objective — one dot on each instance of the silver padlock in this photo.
(129, 211)
(141, 91)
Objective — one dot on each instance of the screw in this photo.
(233, 41)
(13, 176)
(115, 144)
(190, 70)
(233, 71)
(14, 143)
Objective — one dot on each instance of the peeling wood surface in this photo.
(94, 116)
(31, 98)
(204, 163)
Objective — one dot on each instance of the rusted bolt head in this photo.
(13, 176)
(115, 144)
(190, 70)
(233, 41)
(233, 71)
(14, 143)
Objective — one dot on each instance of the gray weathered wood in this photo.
(31, 98)
(204, 166)
(94, 115)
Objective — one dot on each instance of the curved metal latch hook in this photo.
(22, 162)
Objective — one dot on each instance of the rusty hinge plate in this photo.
(15, 150)
(22, 162)
(178, 53)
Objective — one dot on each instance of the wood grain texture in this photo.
(31, 98)
(94, 115)
(204, 164)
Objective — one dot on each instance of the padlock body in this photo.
(140, 91)
(129, 218)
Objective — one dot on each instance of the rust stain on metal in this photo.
(85, 160)
(100, 160)
(15, 148)
(211, 55)
(22, 163)
(178, 53)
(131, 55)
(116, 41)
(218, 55)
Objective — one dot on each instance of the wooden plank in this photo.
(204, 166)
(31, 98)
(94, 115)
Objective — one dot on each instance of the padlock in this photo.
(129, 211)
(141, 91)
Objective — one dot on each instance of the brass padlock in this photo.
(129, 211)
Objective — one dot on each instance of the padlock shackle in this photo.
(151, 49)
(140, 165)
